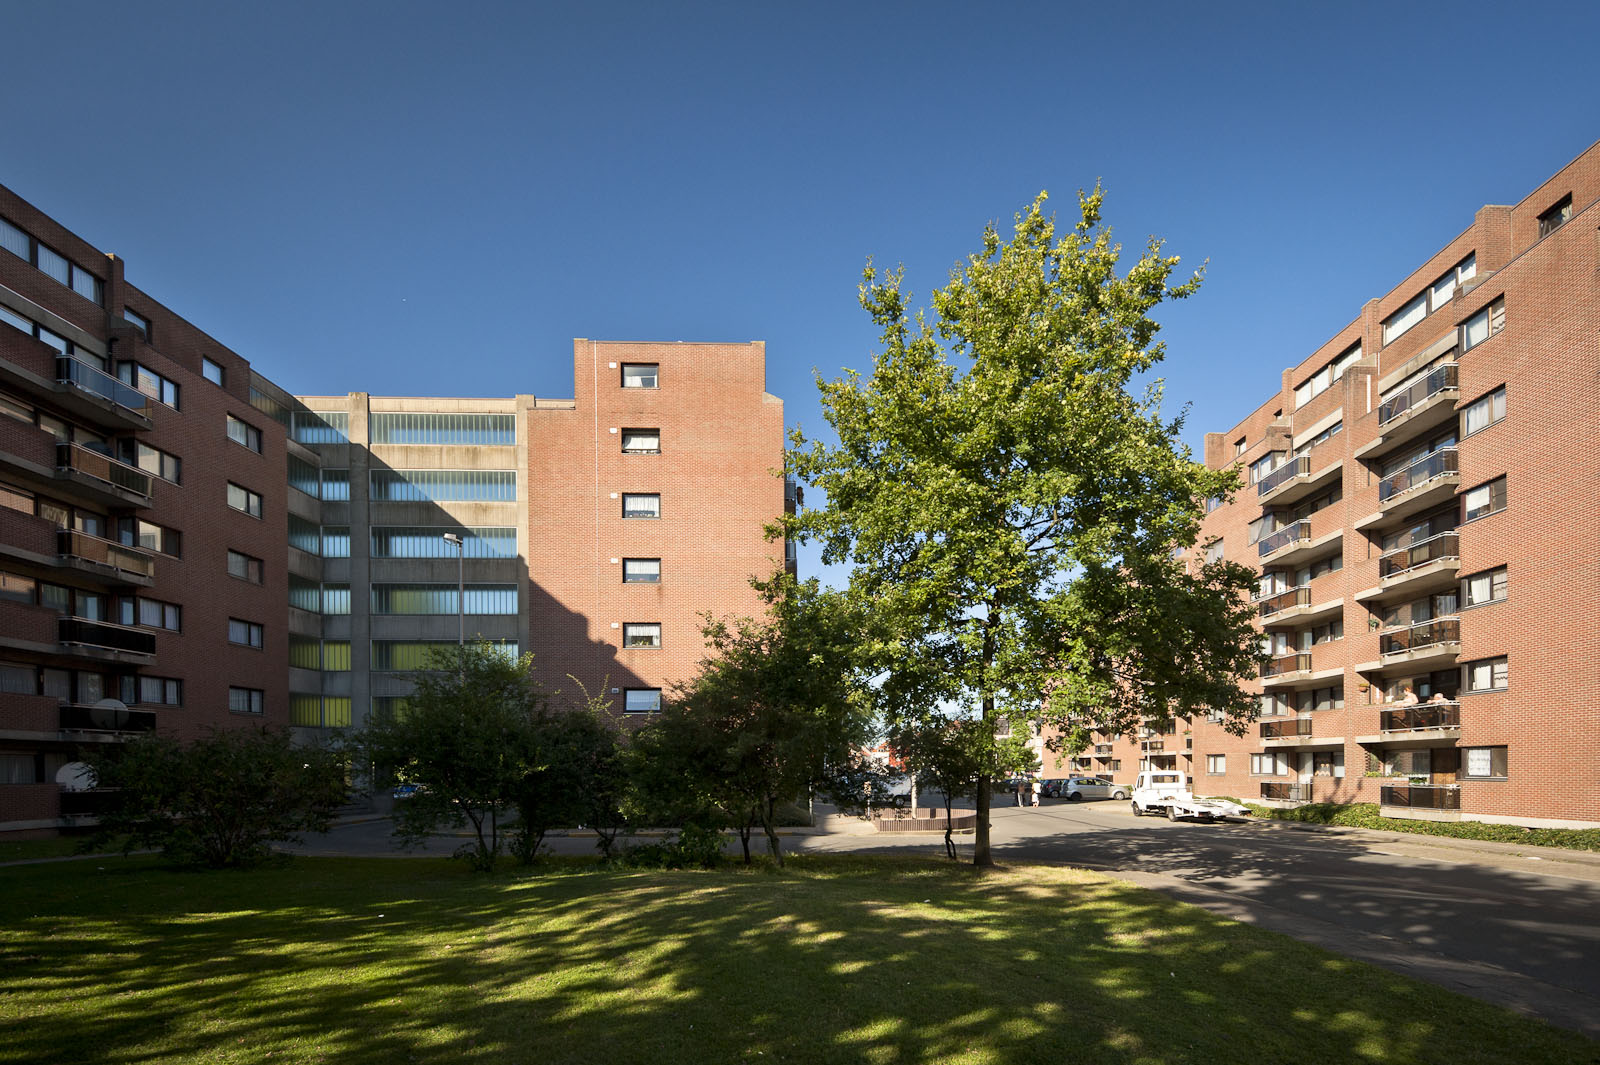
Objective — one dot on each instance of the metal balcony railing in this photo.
(103, 634)
(1440, 545)
(1294, 597)
(1421, 716)
(102, 384)
(1287, 664)
(1422, 797)
(1102, 749)
(1277, 730)
(1286, 792)
(1430, 467)
(1295, 467)
(79, 459)
(1438, 380)
(79, 718)
(81, 545)
(1423, 634)
(1300, 530)
(1153, 746)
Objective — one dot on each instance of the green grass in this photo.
(1365, 815)
(832, 960)
(17, 850)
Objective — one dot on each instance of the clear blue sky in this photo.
(433, 199)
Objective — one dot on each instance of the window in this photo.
(1483, 325)
(245, 700)
(1309, 638)
(404, 656)
(1241, 445)
(211, 371)
(15, 241)
(151, 460)
(336, 599)
(1325, 435)
(1216, 765)
(139, 322)
(159, 691)
(336, 541)
(146, 380)
(49, 262)
(1324, 378)
(641, 441)
(1552, 219)
(151, 614)
(639, 634)
(481, 599)
(427, 541)
(641, 505)
(244, 500)
(1482, 413)
(320, 427)
(639, 375)
(488, 430)
(641, 570)
(335, 485)
(1487, 587)
(1214, 551)
(1263, 466)
(244, 633)
(1483, 763)
(245, 567)
(641, 701)
(403, 486)
(136, 532)
(1327, 764)
(1432, 298)
(1488, 675)
(1212, 503)
(244, 433)
(1484, 500)
(1271, 764)
(1331, 698)
(320, 711)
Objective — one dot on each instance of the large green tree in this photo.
(1014, 508)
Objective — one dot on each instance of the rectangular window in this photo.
(244, 433)
(1483, 763)
(641, 570)
(1401, 321)
(640, 634)
(157, 691)
(211, 371)
(336, 541)
(246, 700)
(1489, 675)
(245, 567)
(146, 380)
(152, 614)
(427, 541)
(484, 430)
(336, 599)
(336, 656)
(641, 505)
(244, 500)
(641, 701)
(245, 633)
(1263, 466)
(481, 599)
(404, 656)
(407, 486)
(1271, 764)
(320, 427)
(15, 241)
(136, 532)
(1241, 445)
(151, 460)
(1214, 551)
(1484, 500)
(1483, 325)
(335, 486)
(1482, 413)
(138, 321)
(641, 441)
(1552, 219)
(1480, 588)
(1216, 765)
(1325, 377)
(639, 375)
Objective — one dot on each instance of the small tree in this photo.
(220, 800)
(465, 737)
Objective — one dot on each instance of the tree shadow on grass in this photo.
(833, 960)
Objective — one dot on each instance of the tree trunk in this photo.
(768, 815)
(980, 830)
(949, 831)
(744, 840)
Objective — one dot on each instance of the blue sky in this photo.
(412, 198)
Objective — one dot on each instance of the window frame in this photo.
(652, 579)
(250, 562)
(1498, 581)
(654, 376)
(655, 515)
(634, 629)
(1500, 664)
(1490, 509)
(1216, 765)
(1486, 400)
(254, 632)
(1503, 751)
(255, 701)
(1555, 216)
(627, 699)
(253, 505)
(252, 436)
(626, 450)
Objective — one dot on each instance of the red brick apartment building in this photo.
(184, 545)
(1422, 502)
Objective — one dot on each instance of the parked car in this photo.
(1078, 788)
(1052, 787)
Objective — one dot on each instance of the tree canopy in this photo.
(1014, 509)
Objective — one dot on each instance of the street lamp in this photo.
(461, 598)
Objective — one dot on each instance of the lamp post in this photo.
(461, 600)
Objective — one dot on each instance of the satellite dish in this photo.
(76, 776)
(109, 714)
(111, 704)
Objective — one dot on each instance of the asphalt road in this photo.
(1519, 926)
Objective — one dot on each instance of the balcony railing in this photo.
(1421, 716)
(1423, 634)
(1102, 749)
(1277, 730)
(1437, 381)
(1287, 664)
(1286, 792)
(87, 803)
(1296, 467)
(1294, 597)
(1440, 545)
(1153, 746)
(134, 560)
(1431, 467)
(1300, 530)
(104, 634)
(1419, 797)
(79, 459)
(78, 718)
(102, 384)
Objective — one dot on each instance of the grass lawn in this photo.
(833, 960)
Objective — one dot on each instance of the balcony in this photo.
(1294, 597)
(1297, 544)
(101, 478)
(106, 558)
(1285, 666)
(1102, 750)
(1438, 638)
(1279, 730)
(99, 394)
(1425, 483)
(1294, 481)
(104, 636)
(1153, 746)
(1427, 404)
(1295, 607)
(1422, 716)
(78, 718)
(1431, 797)
(1286, 792)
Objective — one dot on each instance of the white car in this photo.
(1077, 788)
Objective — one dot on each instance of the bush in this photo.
(1366, 815)
(696, 846)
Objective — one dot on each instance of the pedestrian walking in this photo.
(1021, 784)
(1037, 788)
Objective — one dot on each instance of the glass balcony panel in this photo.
(1420, 797)
(1428, 715)
(80, 545)
(1442, 545)
(1277, 730)
(1286, 792)
(102, 384)
(1297, 467)
(1430, 467)
(1300, 530)
(1440, 379)
(1420, 635)
(1294, 597)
